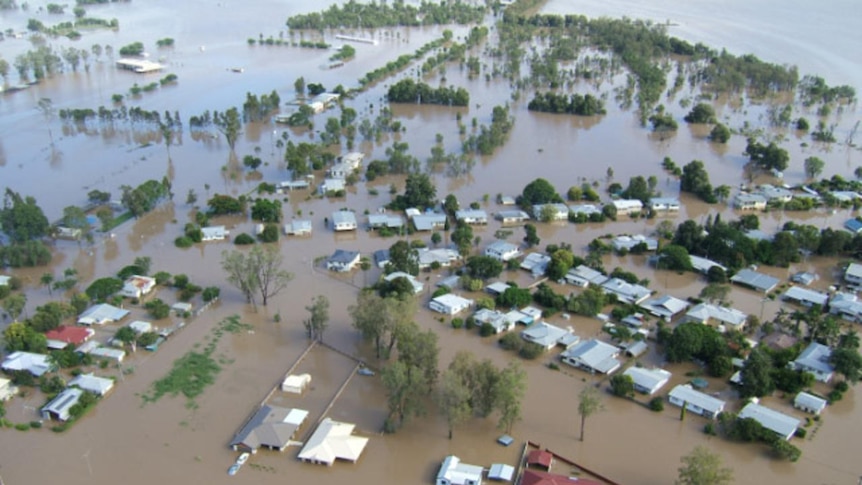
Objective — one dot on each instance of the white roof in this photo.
(213, 233)
(501, 471)
(296, 416)
(474, 214)
(36, 364)
(101, 314)
(626, 291)
(427, 222)
(61, 404)
(544, 334)
(759, 281)
(497, 287)
(501, 247)
(585, 208)
(331, 441)
(686, 393)
(703, 265)
(629, 242)
(94, 384)
(804, 295)
(536, 262)
(457, 473)
(816, 357)
(453, 301)
(444, 256)
(651, 379)
(706, 311)
(664, 306)
(628, 204)
(586, 274)
(854, 269)
(343, 217)
(594, 354)
(810, 401)
(772, 420)
(298, 381)
(140, 326)
(4, 280)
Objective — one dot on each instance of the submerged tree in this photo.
(589, 403)
(702, 467)
(258, 272)
(229, 124)
(318, 319)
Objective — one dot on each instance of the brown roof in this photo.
(536, 477)
(540, 458)
(70, 335)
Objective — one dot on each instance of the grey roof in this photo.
(102, 313)
(36, 364)
(636, 348)
(501, 247)
(665, 306)
(650, 379)
(61, 404)
(706, 311)
(685, 393)
(625, 291)
(381, 257)
(271, 427)
(544, 334)
(846, 305)
(753, 279)
(854, 270)
(586, 275)
(628, 242)
(804, 278)
(663, 201)
(471, 214)
(512, 215)
(815, 357)
(340, 256)
(343, 217)
(772, 420)
(429, 221)
(536, 263)
(745, 199)
(91, 383)
(805, 296)
(448, 282)
(702, 265)
(298, 226)
(809, 401)
(213, 233)
(501, 472)
(593, 354)
(585, 209)
(497, 288)
(385, 220)
(561, 211)
(444, 256)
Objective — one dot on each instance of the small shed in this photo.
(540, 458)
(501, 472)
(296, 384)
(809, 403)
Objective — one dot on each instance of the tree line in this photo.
(409, 91)
(575, 104)
(375, 15)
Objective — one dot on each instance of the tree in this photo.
(589, 403)
(695, 179)
(720, 133)
(813, 167)
(405, 395)
(22, 219)
(515, 297)
(14, 305)
(265, 210)
(715, 291)
(847, 362)
(252, 162)
(768, 157)
(299, 86)
(701, 113)
(757, 375)
(702, 467)
(403, 257)
(102, 288)
(419, 192)
(622, 385)
(509, 390)
(20, 336)
(125, 335)
(46, 107)
(675, 257)
(258, 272)
(318, 319)
(539, 191)
(46, 280)
(229, 124)
(531, 238)
(484, 267)
(453, 399)
(381, 320)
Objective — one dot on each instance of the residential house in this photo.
(333, 440)
(757, 235)
(506, 200)
(449, 304)
(391, 221)
(64, 335)
(502, 251)
(214, 233)
(471, 216)
(625, 291)
(584, 276)
(648, 381)
(585, 209)
(7, 390)
(664, 204)
(636, 348)
(296, 383)
(106, 353)
(453, 472)
(709, 314)
(779, 423)
(805, 297)
(59, 407)
(35, 364)
(343, 220)
(696, 401)
(536, 263)
(429, 221)
(346, 165)
(331, 185)
(538, 477)
(72, 233)
(853, 274)
(92, 384)
(550, 212)
(815, 359)
(804, 278)
(353, 160)
(847, 306)
(140, 326)
(547, 335)
(540, 459)
(627, 243)
(853, 225)
(512, 217)
(499, 321)
(520, 318)
(450, 281)
(774, 194)
(845, 196)
(628, 206)
(809, 403)
(746, 201)
(298, 227)
(339, 171)
(138, 286)
(703, 265)
(271, 427)
(497, 288)
(342, 261)
(417, 285)
(442, 256)
(665, 307)
(381, 258)
(101, 314)
(531, 312)
(182, 308)
(293, 185)
(592, 356)
(501, 472)
(754, 280)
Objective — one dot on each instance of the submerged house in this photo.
(779, 423)
(593, 356)
(547, 335)
(754, 280)
(343, 221)
(138, 286)
(502, 251)
(449, 304)
(453, 472)
(271, 427)
(60, 407)
(101, 314)
(342, 261)
(332, 440)
(648, 381)
(815, 360)
(665, 307)
(696, 401)
(723, 317)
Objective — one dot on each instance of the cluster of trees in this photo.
(133, 49)
(695, 180)
(701, 113)
(409, 91)
(144, 197)
(24, 222)
(224, 204)
(419, 192)
(258, 109)
(375, 15)
(122, 113)
(767, 157)
(692, 340)
(490, 138)
(576, 104)
(401, 62)
(303, 157)
(539, 191)
(256, 272)
(41, 62)
(813, 90)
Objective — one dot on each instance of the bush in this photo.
(656, 404)
(22, 427)
(709, 428)
(183, 242)
(834, 396)
(36, 424)
(842, 386)
(785, 450)
(486, 330)
(470, 323)
(243, 239)
(530, 350)
(457, 322)
(801, 433)
(511, 341)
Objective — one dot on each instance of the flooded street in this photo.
(136, 443)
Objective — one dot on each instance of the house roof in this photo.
(805, 296)
(457, 473)
(685, 393)
(561, 211)
(636, 348)
(61, 404)
(753, 279)
(452, 301)
(744, 199)
(594, 354)
(91, 383)
(271, 426)
(771, 419)
(536, 262)
(544, 334)
(628, 242)
(846, 304)
(538, 477)
(429, 221)
(298, 226)
(381, 257)
(341, 256)
(586, 274)
(540, 458)
(497, 287)
(585, 209)
(854, 270)
(664, 306)
(475, 214)
(444, 256)
(501, 247)
(69, 335)
(101, 314)
(213, 232)
(628, 204)
(809, 401)
(333, 440)
(651, 379)
(663, 201)
(815, 357)
(702, 265)
(417, 285)
(36, 364)
(385, 220)
(140, 326)
(4, 280)
(804, 278)
(626, 291)
(343, 217)
(707, 311)
(501, 471)
(512, 214)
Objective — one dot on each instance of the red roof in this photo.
(536, 477)
(70, 335)
(540, 457)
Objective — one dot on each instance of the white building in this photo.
(547, 335)
(628, 206)
(138, 286)
(550, 212)
(584, 276)
(36, 364)
(696, 401)
(723, 317)
(853, 274)
(214, 233)
(502, 251)
(453, 472)
(343, 221)
(333, 440)
(846, 306)
(59, 407)
(449, 304)
(592, 356)
(417, 285)
(648, 381)
(625, 291)
(665, 307)
(779, 423)
(471, 216)
(745, 201)
(342, 261)
(92, 384)
(664, 204)
(815, 359)
(809, 403)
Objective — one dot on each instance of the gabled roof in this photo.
(771, 419)
(457, 473)
(333, 440)
(298, 226)
(444, 256)
(538, 477)
(417, 285)
(36, 364)
(685, 393)
(64, 401)
(540, 458)
(594, 354)
(429, 221)
(854, 270)
(385, 220)
(93, 384)
(536, 262)
(69, 335)
(706, 311)
(755, 280)
(501, 247)
(650, 379)
(213, 233)
(815, 357)
(510, 215)
(271, 427)
(343, 217)
(628, 204)
(340, 256)
(587, 275)
(471, 214)
(626, 291)
(702, 265)
(585, 209)
(101, 314)
(810, 401)
(544, 334)
(628, 242)
(805, 296)
(665, 306)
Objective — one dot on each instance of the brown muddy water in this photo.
(124, 440)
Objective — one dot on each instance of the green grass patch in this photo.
(125, 216)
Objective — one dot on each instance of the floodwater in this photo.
(126, 440)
